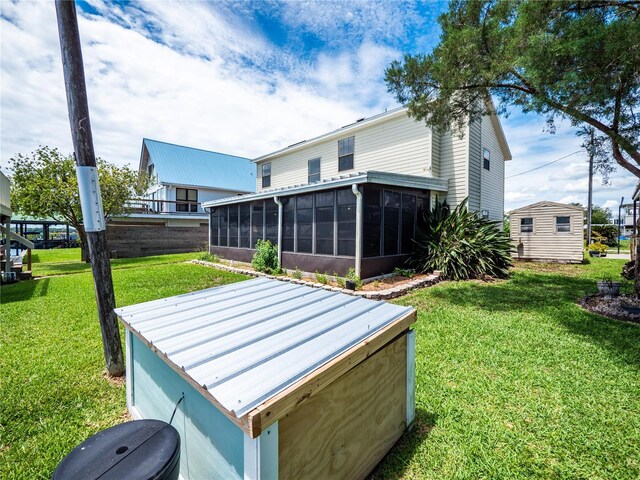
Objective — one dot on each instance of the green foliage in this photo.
(351, 275)
(44, 184)
(340, 281)
(597, 247)
(403, 272)
(266, 257)
(461, 244)
(607, 234)
(558, 58)
(506, 224)
(322, 278)
(297, 274)
(208, 257)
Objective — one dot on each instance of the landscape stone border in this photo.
(372, 295)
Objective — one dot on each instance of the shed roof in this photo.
(380, 178)
(176, 164)
(544, 204)
(245, 342)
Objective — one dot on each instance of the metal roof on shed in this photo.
(176, 164)
(246, 342)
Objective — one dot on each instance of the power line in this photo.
(546, 164)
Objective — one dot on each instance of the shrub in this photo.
(597, 247)
(403, 272)
(322, 278)
(607, 234)
(208, 257)
(266, 257)
(340, 281)
(351, 275)
(461, 244)
(297, 274)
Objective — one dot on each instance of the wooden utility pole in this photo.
(590, 196)
(87, 173)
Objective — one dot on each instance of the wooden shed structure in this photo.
(548, 231)
(271, 379)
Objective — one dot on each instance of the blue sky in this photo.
(244, 78)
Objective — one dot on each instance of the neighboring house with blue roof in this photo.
(184, 177)
(170, 217)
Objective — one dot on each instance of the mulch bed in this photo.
(612, 307)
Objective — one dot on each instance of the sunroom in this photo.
(366, 221)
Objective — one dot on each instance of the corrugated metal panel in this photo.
(248, 341)
(180, 165)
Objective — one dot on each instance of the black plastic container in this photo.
(138, 450)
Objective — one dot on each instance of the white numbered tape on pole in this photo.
(90, 199)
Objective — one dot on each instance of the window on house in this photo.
(271, 221)
(245, 224)
(304, 223)
(224, 225)
(324, 223)
(346, 202)
(233, 226)
(150, 171)
(486, 159)
(526, 225)
(372, 218)
(314, 170)
(187, 199)
(563, 224)
(391, 222)
(345, 153)
(257, 222)
(288, 224)
(215, 218)
(266, 175)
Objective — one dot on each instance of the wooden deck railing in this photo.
(149, 206)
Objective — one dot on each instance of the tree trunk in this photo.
(84, 246)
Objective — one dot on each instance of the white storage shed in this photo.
(272, 379)
(548, 231)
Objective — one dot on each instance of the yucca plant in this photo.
(461, 244)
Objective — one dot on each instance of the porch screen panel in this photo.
(346, 202)
(257, 222)
(408, 222)
(271, 217)
(391, 222)
(422, 207)
(304, 223)
(215, 219)
(372, 222)
(288, 223)
(324, 223)
(233, 225)
(245, 224)
(224, 225)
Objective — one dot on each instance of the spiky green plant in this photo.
(461, 244)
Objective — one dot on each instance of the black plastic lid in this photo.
(142, 449)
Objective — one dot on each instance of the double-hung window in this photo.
(314, 170)
(486, 159)
(345, 153)
(526, 225)
(563, 224)
(266, 175)
(187, 200)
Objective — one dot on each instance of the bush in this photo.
(597, 247)
(461, 244)
(351, 275)
(297, 274)
(208, 257)
(266, 257)
(607, 234)
(322, 278)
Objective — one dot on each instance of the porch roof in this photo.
(381, 178)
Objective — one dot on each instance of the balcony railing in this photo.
(148, 206)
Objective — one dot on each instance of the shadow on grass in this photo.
(24, 290)
(550, 297)
(395, 463)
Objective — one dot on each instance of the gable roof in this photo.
(176, 164)
(382, 117)
(545, 203)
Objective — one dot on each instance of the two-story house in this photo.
(353, 197)
(170, 218)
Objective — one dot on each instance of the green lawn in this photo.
(514, 380)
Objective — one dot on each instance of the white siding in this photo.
(475, 165)
(492, 181)
(544, 243)
(399, 145)
(454, 154)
